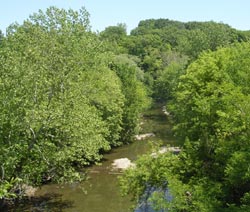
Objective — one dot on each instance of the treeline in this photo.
(164, 48)
(65, 99)
(201, 71)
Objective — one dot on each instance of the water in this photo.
(100, 193)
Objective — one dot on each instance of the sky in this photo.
(104, 13)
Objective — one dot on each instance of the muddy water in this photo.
(100, 193)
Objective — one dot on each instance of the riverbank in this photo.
(100, 192)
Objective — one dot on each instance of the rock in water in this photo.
(174, 150)
(144, 136)
(122, 163)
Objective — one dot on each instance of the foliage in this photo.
(135, 94)
(159, 43)
(67, 95)
(167, 80)
(165, 47)
(44, 113)
(61, 105)
(189, 38)
(210, 109)
(115, 36)
(1, 37)
(114, 33)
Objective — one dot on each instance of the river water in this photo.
(100, 193)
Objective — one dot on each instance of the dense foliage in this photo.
(210, 109)
(61, 104)
(161, 42)
(67, 95)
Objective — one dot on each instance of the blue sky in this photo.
(105, 13)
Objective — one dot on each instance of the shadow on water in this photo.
(46, 203)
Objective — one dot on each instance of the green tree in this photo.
(114, 33)
(60, 103)
(1, 37)
(167, 79)
(135, 94)
(210, 110)
(115, 36)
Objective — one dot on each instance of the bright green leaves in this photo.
(104, 91)
(210, 107)
(6, 186)
(60, 104)
(238, 169)
(46, 116)
(210, 95)
(149, 171)
(210, 110)
(60, 20)
(134, 92)
(167, 80)
(159, 182)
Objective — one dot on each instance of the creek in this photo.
(100, 192)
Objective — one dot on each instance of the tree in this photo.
(114, 33)
(60, 103)
(135, 94)
(115, 36)
(1, 37)
(167, 79)
(210, 111)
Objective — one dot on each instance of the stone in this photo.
(122, 163)
(164, 110)
(144, 136)
(28, 190)
(174, 150)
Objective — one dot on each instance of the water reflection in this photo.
(146, 206)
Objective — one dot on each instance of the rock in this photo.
(122, 163)
(28, 190)
(144, 136)
(164, 109)
(174, 150)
